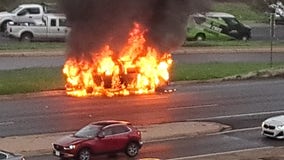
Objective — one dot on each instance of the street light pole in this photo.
(272, 35)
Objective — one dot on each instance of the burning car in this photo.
(100, 138)
(136, 69)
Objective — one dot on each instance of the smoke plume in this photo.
(98, 22)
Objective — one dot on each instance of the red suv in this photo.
(99, 138)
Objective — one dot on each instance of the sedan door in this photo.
(115, 139)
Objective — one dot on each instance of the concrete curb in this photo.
(32, 145)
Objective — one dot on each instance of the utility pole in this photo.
(272, 35)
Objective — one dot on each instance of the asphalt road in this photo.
(262, 32)
(190, 148)
(242, 105)
(203, 102)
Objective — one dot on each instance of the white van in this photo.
(217, 25)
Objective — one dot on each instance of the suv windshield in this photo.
(15, 10)
(89, 131)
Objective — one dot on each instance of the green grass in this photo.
(31, 46)
(30, 80)
(185, 72)
(242, 11)
(236, 43)
(42, 79)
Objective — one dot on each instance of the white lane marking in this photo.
(235, 130)
(165, 139)
(221, 153)
(198, 106)
(237, 115)
(6, 123)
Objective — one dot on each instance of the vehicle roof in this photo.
(9, 153)
(278, 118)
(219, 14)
(30, 5)
(110, 122)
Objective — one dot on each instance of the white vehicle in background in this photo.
(273, 127)
(278, 8)
(54, 27)
(31, 13)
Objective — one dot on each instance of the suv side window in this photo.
(2, 156)
(120, 129)
(108, 131)
(53, 22)
(116, 130)
(33, 10)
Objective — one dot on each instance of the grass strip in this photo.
(233, 43)
(31, 80)
(12, 46)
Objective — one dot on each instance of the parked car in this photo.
(54, 27)
(216, 26)
(31, 13)
(101, 137)
(278, 8)
(4, 155)
(273, 127)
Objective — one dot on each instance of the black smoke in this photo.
(98, 22)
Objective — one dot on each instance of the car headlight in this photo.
(281, 127)
(70, 147)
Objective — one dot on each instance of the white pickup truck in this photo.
(54, 27)
(24, 13)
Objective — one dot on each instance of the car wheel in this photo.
(132, 149)
(26, 37)
(84, 154)
(4, 26)
(244, 38)
(200, 37)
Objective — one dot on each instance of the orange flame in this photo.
(138, 70)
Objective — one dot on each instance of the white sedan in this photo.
(273, 127)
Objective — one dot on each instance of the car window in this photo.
(53, 22)
(199, 20)
(231, 21)
(115, 130)
(15, 10)
(108, 131)
(22, 12)
(2, 156)
(62, 22)
(89, 131)
(33, 10)
(120, 129)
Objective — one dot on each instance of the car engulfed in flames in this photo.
(136, 69)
